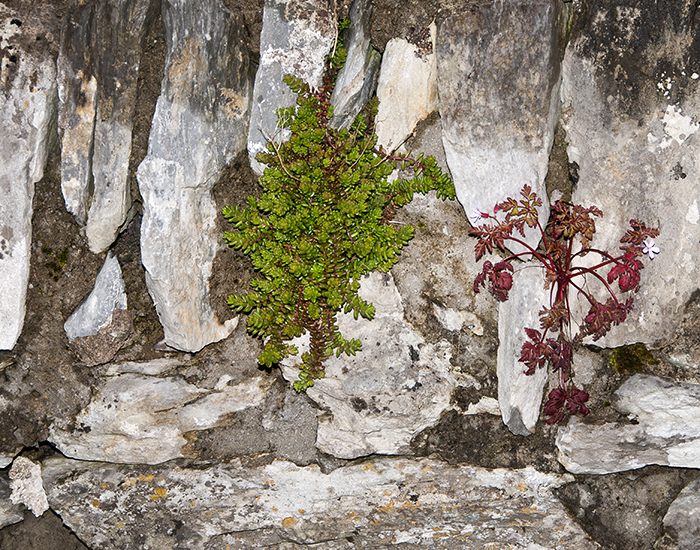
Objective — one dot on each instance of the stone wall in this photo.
(131, 402)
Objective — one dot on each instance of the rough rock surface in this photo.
(97, 309)
(626, 510)
(296, 39)
(682, 518)
(44, 380)
(141, 419)
(373, 504)
(357, 80)
(98, 71)
(102, 313)
(519, 395)
(498, 80)
(26, 487)
(9, 513)
(665, 430)
(396, 386)
(199, 126)
(28, 107)
(407, 90)
(630, 107)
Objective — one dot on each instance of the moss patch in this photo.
(632, 358)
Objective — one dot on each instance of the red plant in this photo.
(553, 344)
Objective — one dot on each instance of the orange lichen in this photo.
(289, 522)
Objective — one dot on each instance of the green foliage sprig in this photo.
(323, 221)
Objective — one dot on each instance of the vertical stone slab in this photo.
(199, 126)
(77, 105)
(498, 75)
(630, 106)
(520, 396)
(98, 72)
(27, 113)
(357, 79)
(498, 81)
(296, 39)
(407, 89)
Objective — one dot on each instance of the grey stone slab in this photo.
(200, 125)
(357, 80)
(28, 109)
(630, 107)
(396, 386)
(296, 39)
(97, 73)
(143, 419)
(379, 503)
(665, 430)
(498, 82)
(682, 518)
(519, 395)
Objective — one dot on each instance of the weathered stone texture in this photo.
(357, 80)
(25, 483)
(9, 513)
(519, 395)
(665, 431)
(98, 71)
(143, 419)
(296, 39)
(630, 108)
(199, 126)
(398, 385)
(682, 518)
(407, 91)
(378, 504)
(28, 107)
(498, 81)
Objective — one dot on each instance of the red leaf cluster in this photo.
(562, 401)
(571, 220)
(498, 277)
(628, 272)
(556, 255)
(601, 317)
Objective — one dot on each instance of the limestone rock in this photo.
(9, 513)
(357, 80)
(96, 311)
(396, 386)
(135, 418)
(100, 325)
(101, 347)
(435, 273)
(407, 90)
(25, 483)
(296, 39)
(666, 430)
(630, 108)
(97, 73)
(682, 518)
(28, 107)
(520, 396)
(498, 80)
(377, 503)
(199, 126)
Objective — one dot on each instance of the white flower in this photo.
(650, 248)
(476, 215)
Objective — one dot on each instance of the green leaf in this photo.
(321, 222)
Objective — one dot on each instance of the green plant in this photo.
(324, 219)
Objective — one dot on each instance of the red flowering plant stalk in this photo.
(558, 253)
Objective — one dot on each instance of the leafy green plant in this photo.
(324, 219)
